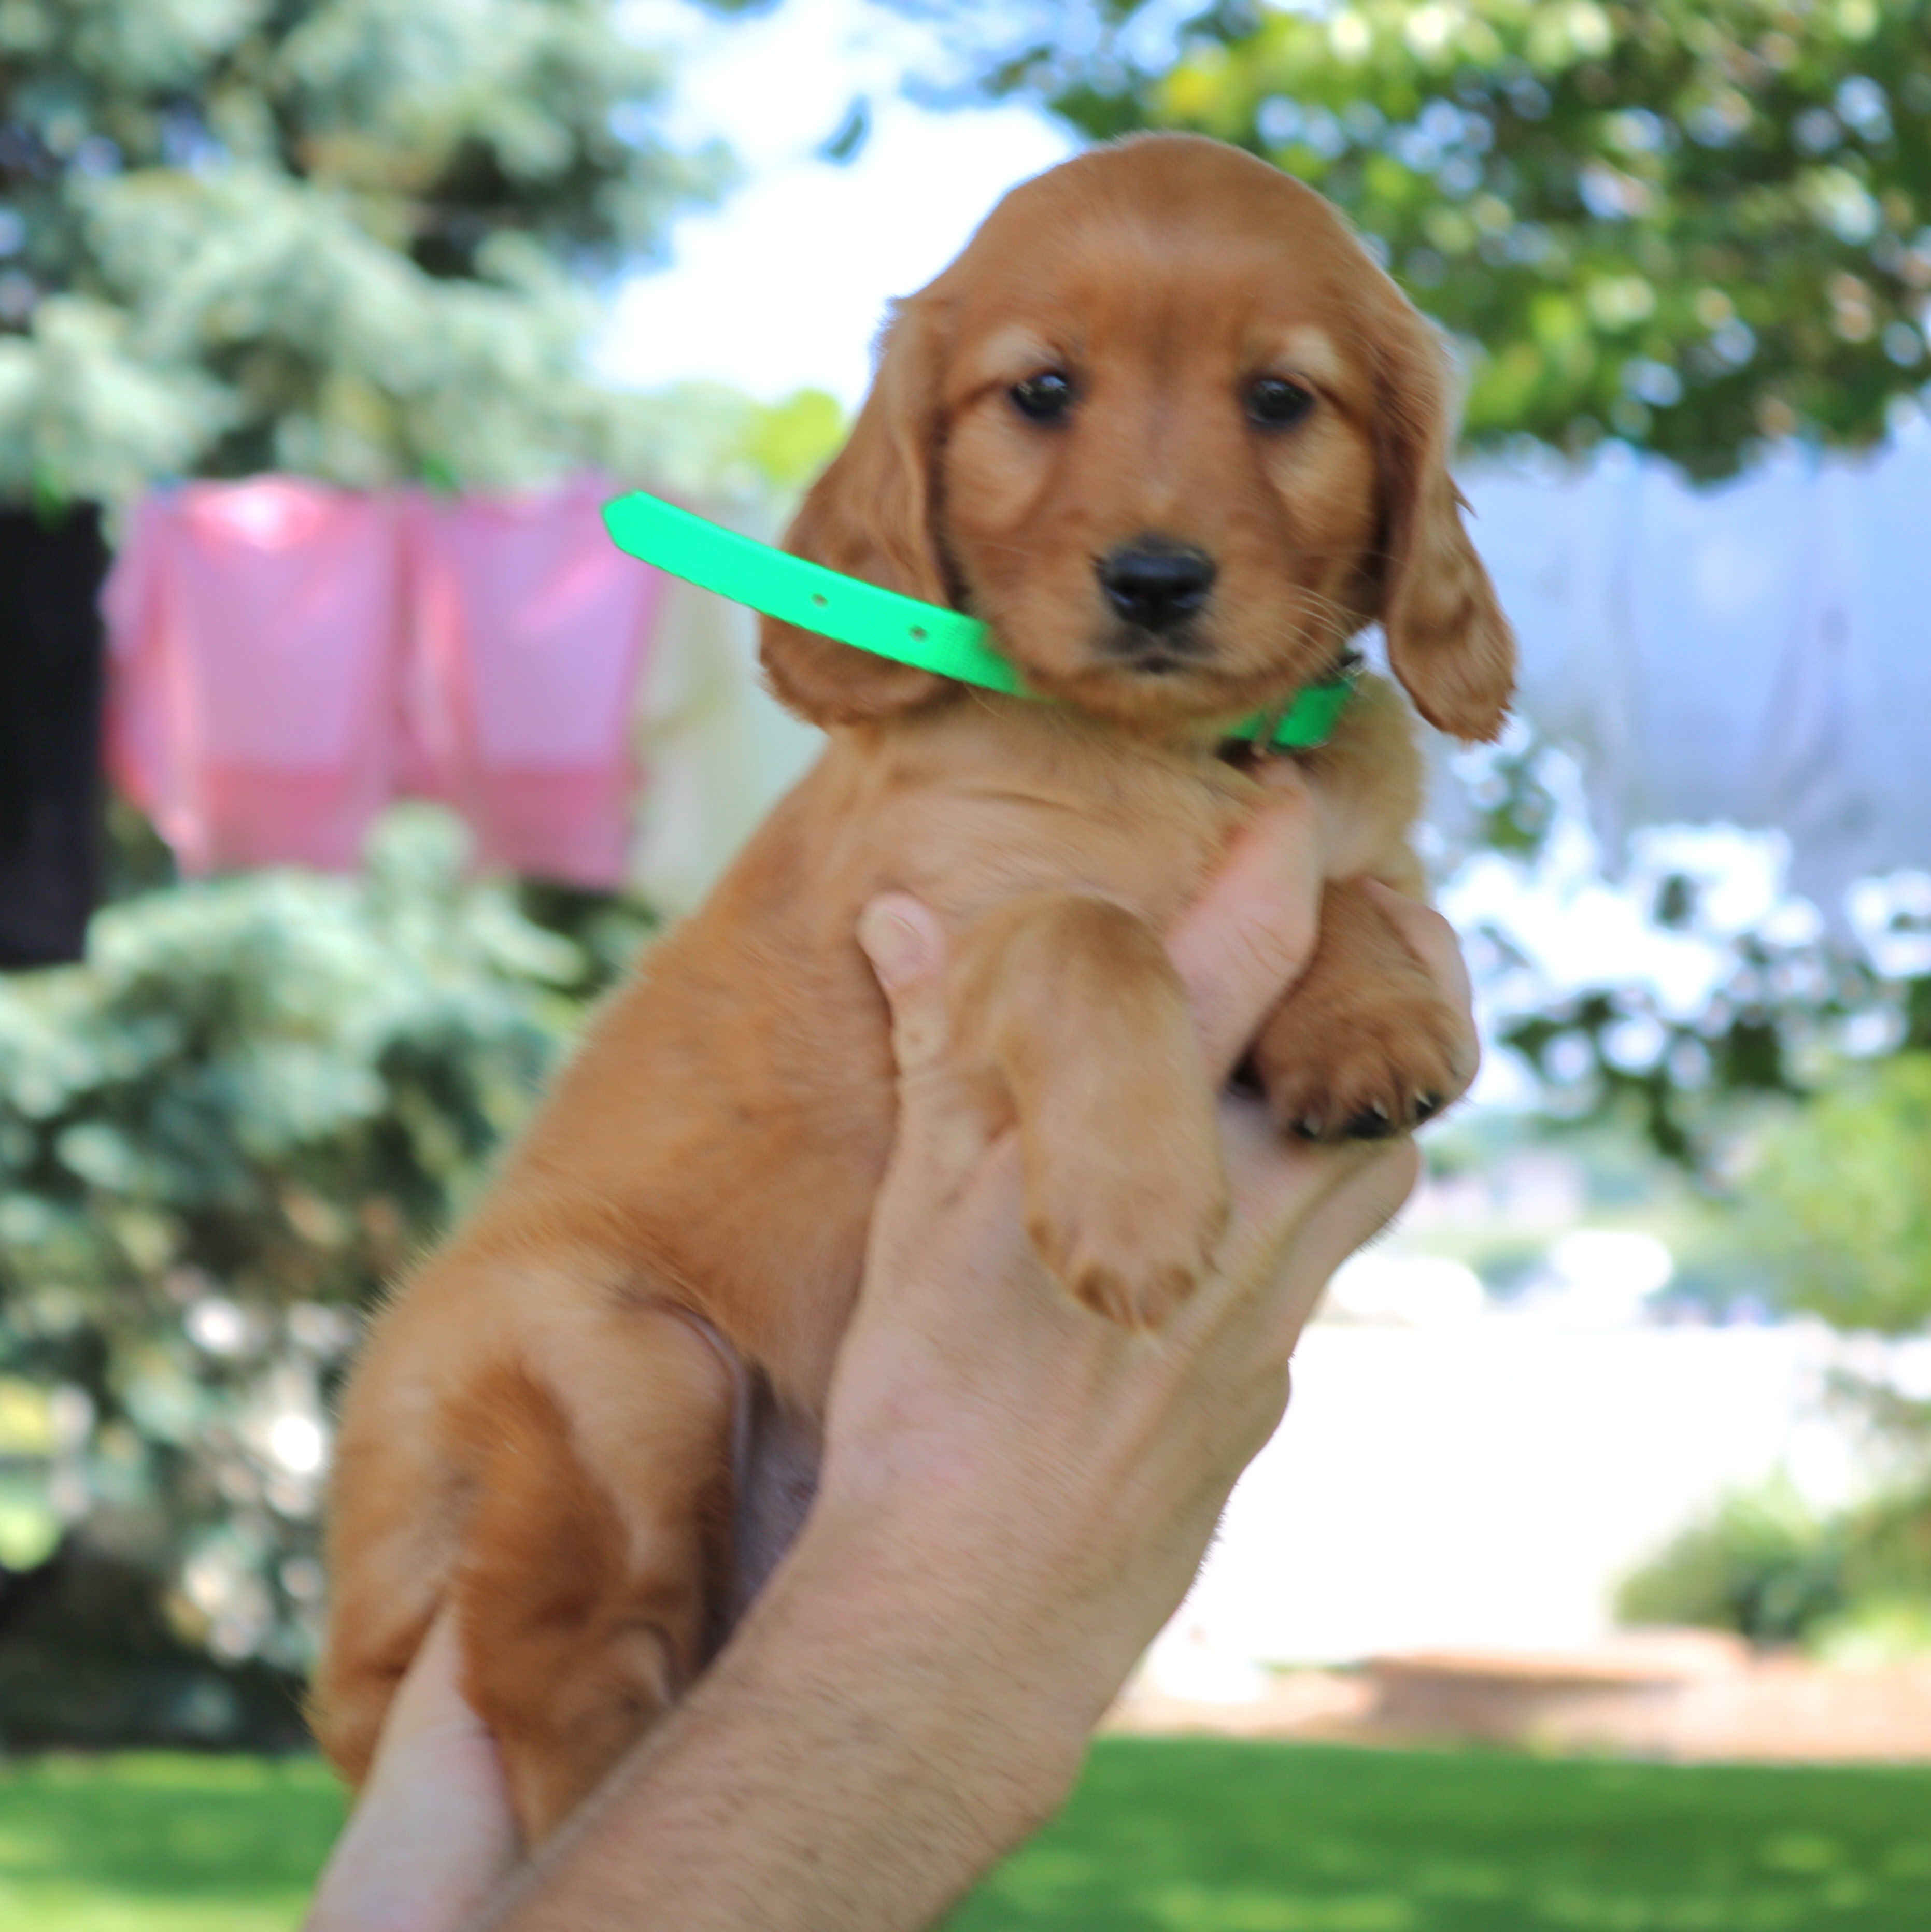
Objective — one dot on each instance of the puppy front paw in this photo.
(1365, 1047)
(1361, 1062)
(1131, 1246)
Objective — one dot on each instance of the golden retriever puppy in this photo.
(1169, 430)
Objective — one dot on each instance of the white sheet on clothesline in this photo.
(1758, 654)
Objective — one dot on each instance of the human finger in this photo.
(1368, 1196)
(1279, 1186)
(430, 1698)
(901, 936)
(1299, 1212)
(941, 1130)
(1251, 932)
(432, 1835)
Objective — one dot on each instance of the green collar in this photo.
(926, 635)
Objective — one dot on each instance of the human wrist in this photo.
(942, 1640)
(846, 1760)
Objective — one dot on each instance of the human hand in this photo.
(432, 1834)
(1014, 1466)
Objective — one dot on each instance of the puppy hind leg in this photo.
(597, 1551)
(1073, 1003)
(394, 1519)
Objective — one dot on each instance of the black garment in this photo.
(50, 689)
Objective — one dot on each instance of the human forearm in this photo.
(855, 1760)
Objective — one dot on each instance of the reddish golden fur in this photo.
(536, 1429)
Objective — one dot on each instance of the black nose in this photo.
(1155, 584)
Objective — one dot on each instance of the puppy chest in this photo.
(967, 849)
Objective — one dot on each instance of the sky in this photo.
(784, 285)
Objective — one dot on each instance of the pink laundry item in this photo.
(530, 633)
(256, 631)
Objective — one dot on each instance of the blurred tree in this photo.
(1762, 1563)
(1852, 1584)
(707, 439)
(1792, 1005)
(361, 239)
(1836, 1206)
(217, 1139)
(1839, 1202)
(346, 237)
(1690, 225)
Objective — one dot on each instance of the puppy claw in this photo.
(1361, 1067)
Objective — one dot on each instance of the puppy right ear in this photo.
(870, 515)
(1448, 640)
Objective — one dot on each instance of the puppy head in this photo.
(1167, 428)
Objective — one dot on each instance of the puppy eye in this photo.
(1274, 402)
(1044, 397)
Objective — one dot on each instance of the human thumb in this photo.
(906, 947)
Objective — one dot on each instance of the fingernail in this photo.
(898, 947)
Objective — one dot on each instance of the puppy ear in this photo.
(1448, 641)
(870, 515)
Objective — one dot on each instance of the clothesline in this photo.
(285, 658)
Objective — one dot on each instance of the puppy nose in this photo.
(1155, 584)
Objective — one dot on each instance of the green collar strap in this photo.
(853, 612)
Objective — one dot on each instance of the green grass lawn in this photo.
(1203, 1835)
(162, 1843)
(1165, 1836)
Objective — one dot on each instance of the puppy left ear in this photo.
(1448, 641)
(871, 516)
